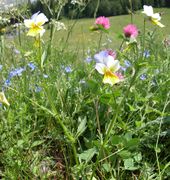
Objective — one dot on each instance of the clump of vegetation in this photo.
(69, 112)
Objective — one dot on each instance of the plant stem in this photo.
(144, 29)
(97, 115)
(131, 11)
(157, 140)
(100, 40)
(112, 123)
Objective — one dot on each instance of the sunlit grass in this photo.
(81, 36)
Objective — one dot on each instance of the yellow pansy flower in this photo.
(108, 66)
(35, 24)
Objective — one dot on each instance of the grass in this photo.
(63, 122)
(81, 36)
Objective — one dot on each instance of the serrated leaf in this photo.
(129, 164)
(81, 127)
(87, 155)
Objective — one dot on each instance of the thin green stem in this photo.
(97, 115)
(100, 40)
(39, 43)
(131, 11)
(144, 31)
(19, 34)
(157, 140)
(121, 45)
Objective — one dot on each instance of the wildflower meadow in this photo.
(99, 110)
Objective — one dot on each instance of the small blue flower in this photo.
(7, 82)
(146, 54)
(32, 66)
(123, 68)
(143, 77)
(38, 89)
(127, 63)
(100, 56)
(68, 69)
(16, 72)
(1, 67)
(88, 59)
(0, 105)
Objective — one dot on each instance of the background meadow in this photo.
(63, 122)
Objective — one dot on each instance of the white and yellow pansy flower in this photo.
(108, 67)
(3, 99)
(35, 24)
(153, 17)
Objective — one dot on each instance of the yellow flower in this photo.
(3, 99)
(108, 67)
(35, 24)
(153, 17)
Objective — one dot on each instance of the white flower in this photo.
(153, 17)
(35, 24)
(59, 25)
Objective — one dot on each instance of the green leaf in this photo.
(20, 143)
(132, 143)
(43, 58)
(88, 154)
(125, 154)
(107, 167)
(116, 140)
(138, 157)
(93, 85)
(81, 127)
(129, 164)
(131, 107)
(105, 98)
(37, 143)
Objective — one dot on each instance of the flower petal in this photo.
(3, 99)
(110, 78)
(156, 16)
(28, 23)
(100, 56)
(101, 68)
(156, 22)
(35, 31)
(148, 10)
(41, 19)
(34, 16)
(113, 65)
